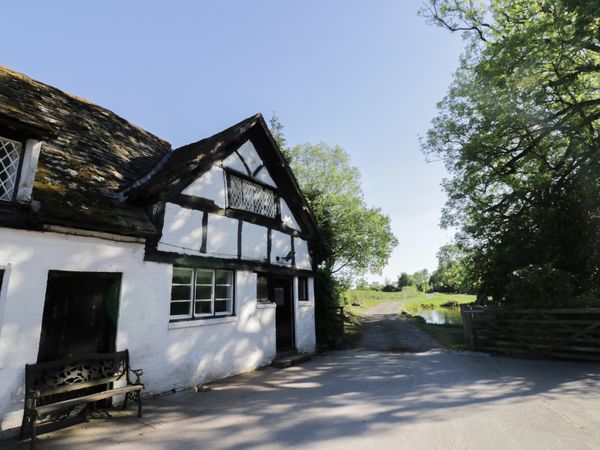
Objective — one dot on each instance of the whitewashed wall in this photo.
(172, 356)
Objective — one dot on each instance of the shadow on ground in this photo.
(368, 400)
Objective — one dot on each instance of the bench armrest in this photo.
(33, 395)
(138, 373)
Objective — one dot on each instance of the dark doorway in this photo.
(281, 294)
(80, 314)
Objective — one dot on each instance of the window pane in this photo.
(222, 306)
(182, 276)
(180, 308)
(224, 277)
(10, 154)
(181, 292)
(203, 276)
(302, 289)
(223, 292)
(249, 196)
(203, 292)
(203, 308)
(262, 287)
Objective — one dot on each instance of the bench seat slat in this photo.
(44, 409)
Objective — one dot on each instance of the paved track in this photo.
(368, 400)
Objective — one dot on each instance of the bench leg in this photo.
(33, 434)
(125, 402)
(140, 404)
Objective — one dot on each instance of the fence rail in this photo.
(561, 333)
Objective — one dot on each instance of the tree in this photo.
(519, 133)
(405, 280)
(359, 237)
(421, 280)
(452, 273)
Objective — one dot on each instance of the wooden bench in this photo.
(54, 388)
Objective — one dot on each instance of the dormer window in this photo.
(10, 159)
(251, 196)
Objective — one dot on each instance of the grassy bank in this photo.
(357, 301)
(435, 300)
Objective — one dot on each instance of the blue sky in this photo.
(362, 74)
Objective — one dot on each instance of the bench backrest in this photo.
(76, 372)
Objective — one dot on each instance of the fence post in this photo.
(465, 312)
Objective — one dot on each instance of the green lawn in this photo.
(435, 300)
(412, 300)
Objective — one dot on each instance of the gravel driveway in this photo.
(383, 329)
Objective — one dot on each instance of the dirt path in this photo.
(383, 329)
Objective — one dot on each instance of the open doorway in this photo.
(281, 294)
(80, 314)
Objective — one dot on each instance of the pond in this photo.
(441, 316)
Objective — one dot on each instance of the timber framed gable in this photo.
(233, 203)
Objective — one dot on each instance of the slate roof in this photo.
(89, 155)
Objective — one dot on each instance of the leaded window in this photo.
(10, 155)
(201, 293)
(249, 196)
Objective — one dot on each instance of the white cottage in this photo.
(198, 260)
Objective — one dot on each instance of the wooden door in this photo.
(80, 314)
(281, 293)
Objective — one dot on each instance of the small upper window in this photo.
(262, 288)
(249, 196)
(303, 289)
(10, 157)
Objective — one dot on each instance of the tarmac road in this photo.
(365, 399)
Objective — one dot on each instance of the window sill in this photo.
(307, 304)
(201, 322)
(260, 305)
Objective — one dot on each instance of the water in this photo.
(441, 316)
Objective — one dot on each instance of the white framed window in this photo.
(250, 196)
(10, 161)
(201, 293)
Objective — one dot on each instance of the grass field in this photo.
(435, 300)
(412, 300)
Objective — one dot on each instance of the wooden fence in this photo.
(560, 333)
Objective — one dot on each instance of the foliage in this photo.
(452, 273)
(519, 133)
(539, 285)
(421, 279)
(359, 238)
(405, 280)
(390, 288)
